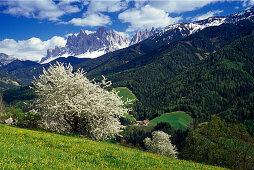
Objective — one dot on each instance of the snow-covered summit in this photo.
(88, 45)
(186, 29)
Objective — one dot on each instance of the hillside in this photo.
(151, 74)
(148, 75)
(22, 148)
(222, 84)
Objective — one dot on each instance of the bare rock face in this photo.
(102, 41)
(140, 36)
(5, 59)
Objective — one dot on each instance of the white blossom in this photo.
(70, 102)
(160, 144)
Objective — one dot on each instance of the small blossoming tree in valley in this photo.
(160, 144)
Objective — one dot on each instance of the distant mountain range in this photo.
(84, 45)
(181, 30)
(202, 68)
(92, 45)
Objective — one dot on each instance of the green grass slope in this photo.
(178, 120)
(125, 93)
(28, 149)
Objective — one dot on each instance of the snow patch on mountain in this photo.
(89, 44)
(186, 29)
(6, 59)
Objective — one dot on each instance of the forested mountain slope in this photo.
(202, 44)
(151, 76)
(222, 84)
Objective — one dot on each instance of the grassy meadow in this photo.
(29, 149)
(178, 120)
(125, 93)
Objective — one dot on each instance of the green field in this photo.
(178, 120)
(125, 93)
(29, 149)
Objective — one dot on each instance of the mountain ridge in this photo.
(5, 59)
(88, 45)
(92, 45)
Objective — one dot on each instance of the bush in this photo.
(160, 144)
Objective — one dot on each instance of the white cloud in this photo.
(96, 11)
(178, 6)
(251, 2)
(206, 15)
(40, 9)
(149, 13)
(248, 3)
(32, 49)
(146, 17)
(96, 19)
(106, 6)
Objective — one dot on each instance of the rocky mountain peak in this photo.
(82, 32)
(142, 35)
(91, 45)
(101, 30)
(5, 59)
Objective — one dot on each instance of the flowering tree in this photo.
(69, 102)
(160, 144)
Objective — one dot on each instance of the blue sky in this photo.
(29, 27)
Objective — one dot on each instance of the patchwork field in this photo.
(178, 120)
(29, 149)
